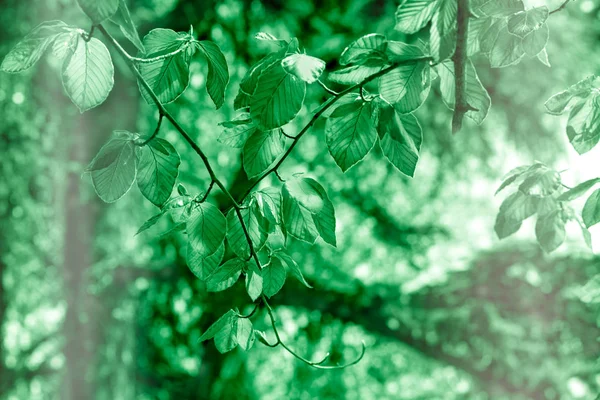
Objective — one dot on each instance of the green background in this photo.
(90, 311)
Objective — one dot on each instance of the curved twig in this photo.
(205, 196)
(158, 124)
(256, 306)
(327, 88)
(560, 8)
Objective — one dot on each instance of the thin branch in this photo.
(314, 364)
(286, 135)
(560, 8)
(256, 306)
(461, 105)
(203, 199)
(324, 107)
(158, 124)
(186, 136)
(327, 88)
(88, 36)
(279, 177)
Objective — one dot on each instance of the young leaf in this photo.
(201, 265)
(400, 139)
(583, 128)
(250, 80)
(413, 15)
(273, 277)
(354, 74)
(566, 99)
(113, 169)
(541, 181)
(261, 150)
(507, 49)
(307, 211)
(591, 209)
(476, 94)
(368, 46)
(550, 230)
(158, 167)
(29, 50)
(218, 72)
(500, 8)
(226, 339)
(225, 276)
(254, 284)
(88, 73)
(489, 34)
(514, 210)
(64, 43)
(525, 22)
(442, 34)
(278, 97)
(578, 190)
(268, 201)
(218, 325)
(99, 10)
(237, 131)
(407, 86)
(400, 51)
(265, 36)
(150, 222)
(292, 267)
(206, 228)
(169, 73)
(305, 67)
(535, 41)
(123, 19)
(245, 333)
(350, 133)
(543, 57)
(514, 174)
(255, 225)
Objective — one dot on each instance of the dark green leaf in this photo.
(292, 267)
(225, 276)
(368, 46)
(255, 226)
(237, 131)
(218, 325)
(218, 72)
(206, 228)
(158, 167)
(591, 209)
(350, 137)
(203, 266)
(273, 277)
(250, 80)
(261, 150)
(245, 333)
(88, 73)
(254, 284)
(99, 10)
(29, 50)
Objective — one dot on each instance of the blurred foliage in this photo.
(89, 310)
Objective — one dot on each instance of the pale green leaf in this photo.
(413, 15)
(550, 230)
(123, 19)
(500, 8)
(442, 34)
(541, 181)
(583, 127)
(261, 150)
(113, 170)
(353, 74)
(514, 210)
(304, 67)
(400, 51)
(368, 46)
(254, 284)
(267, 37)
(543, 57)
(590, 292)
(507, 49)
(525, 22)
(99, 10)
(578, 190)
(268, 201)
(245, 333)
(64, 44)
(218, 72)
(225, 275)
(514, 175)
(591, 209)
(292, 266)
(88, 74)
(350, 136)
(29, 50)
(489, 33)
(566, 99)
(407, 86)
(206, 228)
(400, 139)
(158, 167)
(534, 42)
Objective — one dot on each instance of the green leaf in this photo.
(64, 44)
(354, 74)
(500, 8)
(350, 135)
(113, 169)
(237, 131)
(583, 128)
(525, 22)
(514, 174)
(225, 320)
(158, 167)
(226, 339)
(578, 190)
(99, 10)
(550, 230)
(225, 276)
(591, 209)
(250, 80)
(169, 74)
(29, 50)
(507, 49)
(278, 97)
(304, 67)
(218, 72)
(514, 210)
(273, 277)
(206, 228)
(267, 37)
(476, 28)
(307, 211)
(150, 222)
(400, 51)
(407, 86)
(245, 333)
(292, 266)
(203, 266)
(88, 73)
(442, 34)
(123, 19)
(566, 99)
(400, 139)
(476, 94)
(261, 150)
(268, 201)
(536, 41)
(541, 181)
(255, 225)
(366, 47)
(254, 284)
(413, 15)
(489, 34)
(171, 206)
(543, 57)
